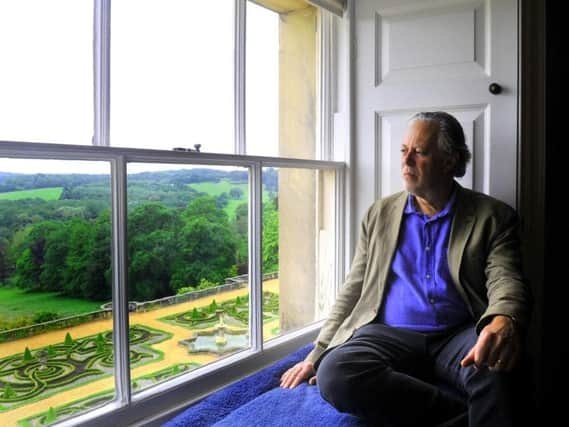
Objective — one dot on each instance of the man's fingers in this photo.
(297, 374)
(312, 381)
(468, 359)
(482, 349)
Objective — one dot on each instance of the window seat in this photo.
(257, 400)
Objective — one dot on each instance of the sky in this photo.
(171, 77)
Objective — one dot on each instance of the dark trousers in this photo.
(387, 376)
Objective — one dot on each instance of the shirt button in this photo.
(428, 276)
(432, 300)
(427, 248)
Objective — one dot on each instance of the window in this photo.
(128, 273)
(172, 74)
(262, 84)
(46, 78)
(298, 224)
(188, 241)
(56, 323)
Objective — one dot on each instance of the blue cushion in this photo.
(221, 403)
(257, 400)
(300, 407)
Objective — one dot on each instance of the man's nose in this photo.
(408, 158)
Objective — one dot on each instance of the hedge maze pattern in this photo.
(235, 313)
(36, 374)
(71, 409)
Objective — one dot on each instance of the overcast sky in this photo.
(171, 77)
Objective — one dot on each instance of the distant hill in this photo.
(20, 182)
(6, 175)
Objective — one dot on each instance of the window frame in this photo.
(193, 385)
(163, 400)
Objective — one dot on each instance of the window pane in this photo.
(188, 287)
(56, 352)
(262, 73)
(298, 248)
(46, 77)
(172, 74)
(281, 80)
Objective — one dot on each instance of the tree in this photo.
(153, 247)
(241, 226)
(28, 355)
(30, 260)
(52, 274)
(222, 200)
(4, 266)
(270, 237)
(99, 269)
(236, 193)
(208, 245)
(76, 277)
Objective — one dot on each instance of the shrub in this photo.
(28, 355)
(44, 316)
(206, 284)
(185, 289)
(68, 340)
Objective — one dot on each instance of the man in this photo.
(434, 296)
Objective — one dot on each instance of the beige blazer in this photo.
(483, 256)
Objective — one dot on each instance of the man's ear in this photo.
(450, 163)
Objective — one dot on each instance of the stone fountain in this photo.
(220, 339)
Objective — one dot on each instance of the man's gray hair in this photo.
(450, 137)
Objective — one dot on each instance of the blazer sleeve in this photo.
(349, 293)
(507, 291)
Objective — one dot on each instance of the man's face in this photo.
(423, 166)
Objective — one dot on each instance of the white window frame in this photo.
(193, 385)
(163, 400)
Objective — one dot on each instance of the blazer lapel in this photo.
(388, 233)
(461, 228)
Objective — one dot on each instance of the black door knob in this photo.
(495, 88)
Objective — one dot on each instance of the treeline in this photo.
(168, 249)
(18, 182)
(178, 237)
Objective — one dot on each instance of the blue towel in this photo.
(300, 407)
(257, 400)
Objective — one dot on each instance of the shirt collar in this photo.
(411, 209)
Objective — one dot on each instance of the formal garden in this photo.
(188, 257)
(215, 329)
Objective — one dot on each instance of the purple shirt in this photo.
(420, 292)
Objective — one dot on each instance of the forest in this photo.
(187, 229)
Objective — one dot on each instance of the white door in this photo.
(427, 55)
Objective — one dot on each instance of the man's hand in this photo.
(300, 372)
(498, 347)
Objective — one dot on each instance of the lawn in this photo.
(216, 188)
(51, 193)
(15, 302)
(224, 186)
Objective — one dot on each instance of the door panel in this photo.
(435, 55)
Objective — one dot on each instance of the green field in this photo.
(16, 302)
(216, 188)
(52, 193)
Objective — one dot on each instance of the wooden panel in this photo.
(431, 41)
